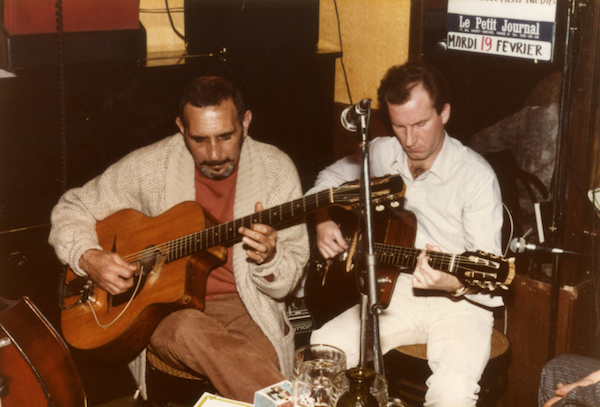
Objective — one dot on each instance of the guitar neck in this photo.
(407, 257)
(226, 233)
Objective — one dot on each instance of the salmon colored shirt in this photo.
(216, 198)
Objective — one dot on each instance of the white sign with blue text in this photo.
(513, 28)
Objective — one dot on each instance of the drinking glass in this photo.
(315, 367)
(379, 388)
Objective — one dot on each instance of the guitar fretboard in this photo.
(478, 269)
(407, 257)
(229, 232)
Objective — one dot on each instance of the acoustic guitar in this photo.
(174, 253)
(36, 368)
(334, 285)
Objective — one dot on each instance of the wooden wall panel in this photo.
(528, 324)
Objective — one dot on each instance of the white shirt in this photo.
(457, 202)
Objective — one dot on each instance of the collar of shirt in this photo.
(441, 165)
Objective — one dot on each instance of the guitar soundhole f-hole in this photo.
(150, 258)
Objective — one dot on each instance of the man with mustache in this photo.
(242, 341)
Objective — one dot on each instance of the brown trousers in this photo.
(222, 343)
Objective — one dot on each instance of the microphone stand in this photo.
(370, 307)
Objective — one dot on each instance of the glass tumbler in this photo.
(315, 367)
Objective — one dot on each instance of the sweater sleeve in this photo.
(280, 276)
(131, 183)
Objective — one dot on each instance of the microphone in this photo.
(519, 245)
(351, 115)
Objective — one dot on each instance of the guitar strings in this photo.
(203, 239)
(182, 245)
(406, 256)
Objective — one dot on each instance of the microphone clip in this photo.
(352, 115)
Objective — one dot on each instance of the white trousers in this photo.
(457, 333)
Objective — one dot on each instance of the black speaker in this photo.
(36, 50)
(248, 26)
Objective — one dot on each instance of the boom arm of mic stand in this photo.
(371, 304)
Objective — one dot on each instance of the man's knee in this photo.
(451, 391)
(177, 328)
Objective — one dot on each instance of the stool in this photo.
(171, 387)
(407, 371)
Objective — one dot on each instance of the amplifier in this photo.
(19, 52)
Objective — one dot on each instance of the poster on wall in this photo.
(512, 28)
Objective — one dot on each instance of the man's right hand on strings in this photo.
(108, 270)
(330, 240)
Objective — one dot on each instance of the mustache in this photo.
(212, 163)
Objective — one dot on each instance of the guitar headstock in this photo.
(485, 270)
(383, 189)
